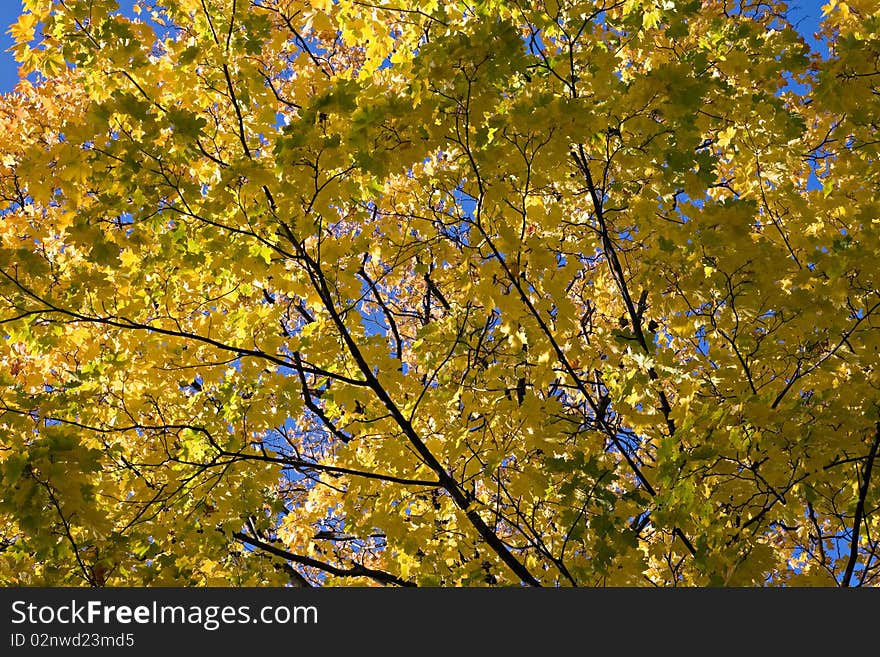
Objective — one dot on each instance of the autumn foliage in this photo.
(551, 292)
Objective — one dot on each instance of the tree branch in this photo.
(357, 570)
(860, 509)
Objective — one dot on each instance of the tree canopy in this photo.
(492, 292)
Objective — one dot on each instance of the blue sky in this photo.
(9, 11)
(804, 13)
